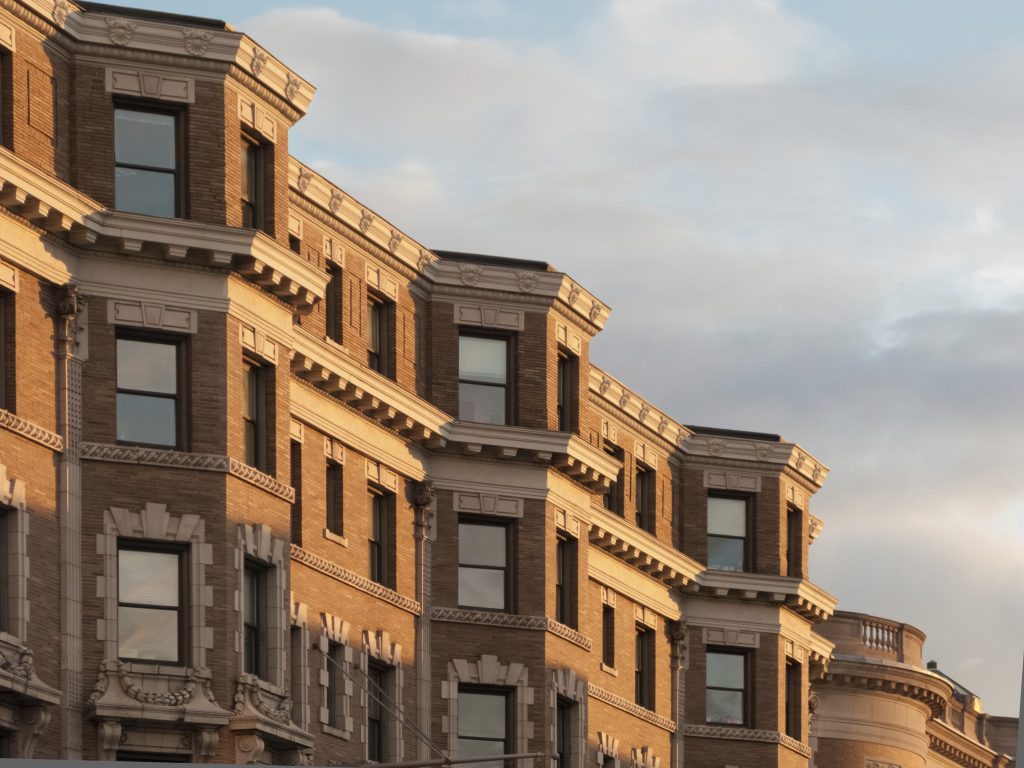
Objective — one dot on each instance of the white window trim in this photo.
(377, 645)
(300, 670)
(256, 543)
(16, 518)
(566, 685)
(335, 630)
(607, 745)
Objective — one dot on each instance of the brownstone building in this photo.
(280, 484)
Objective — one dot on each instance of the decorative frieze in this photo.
(569, 338)
(488, 315)
(487, 504)
(731, 637)
(157, 457)
(34, 432)
(346, 576)
(156, 317)
(150, 84)
(382, 281)
(743, 482)
(488, 670)
(630, 707)
(258, 343)
(746, 734)
(511, 620)
(378, 474)
(261, 480)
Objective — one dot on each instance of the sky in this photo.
(806, 216)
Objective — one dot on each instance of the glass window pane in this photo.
(474, 748)
(148, 192)
(482, 403)
(149, 420)
(483, 359)
(482, 715)
(144, 138)
(252, 597)
(147, 633)
(725, 707)
(147, 366)
(725, 554)
(725, 670)
(481, 588)
(151, 578)
(482, 544)
(727, 517)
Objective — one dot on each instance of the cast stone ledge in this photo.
(34, 432)
(647, 715)
(512, 620)
(731, 733)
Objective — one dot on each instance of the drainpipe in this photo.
(69, 514)
(423, 501)
(679, 665)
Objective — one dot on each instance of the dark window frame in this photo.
(377, 737)
(6, 341)
(510, 734)
(612, 499)
(253, 198)
(644, 671)
(180, 149)
(566, 581)
(295, 478)
(644, 495)
(295, 244)
(794, 700)
(508, 568)
(381, 554)
(334, 303)
(335, 684)
(181, 383)
(608, 635)
(334, 495)
(254, 635)
(510, 371)
(748, 539)
(794, 541)
(256, 453)
(183, 608)
(567, 382)
(7, 99)
(564, 714)
(380, 324)
(746, 690)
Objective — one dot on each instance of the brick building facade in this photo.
(280, 484)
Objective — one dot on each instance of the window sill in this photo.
(335, 537)
(154, 668)
(331, 730)
(610, 670)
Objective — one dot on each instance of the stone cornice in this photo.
(629, 707)
(261, 480)
(892, 678)
(731, 733)
(620, 399)
(746, 449)
(512, 621)
(641, 550)
(346, 576)
(960, 748)
(803, 597)
(34, 432)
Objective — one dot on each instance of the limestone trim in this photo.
(381, 476)
(8, 39)
(892, 678)
(487, 504)
(299, 647)
(377, 645)
(737, 638)
(643, 551)
(606, 745)
(513, 621)
(257, 119)
(8, 277)
(159, 85)
(626, 403)
(488, 670)
(153, 316)
(382, 281)
(639, 587)
(261, 480)
(643, 757)
(14, 517)
(33, 432)
(567, 685)
(487, 314)
(256, 342)
(803, 597)
(630, 707)
(745, 449)
(335, 571)
(744, 482)
(335, 648)
(746, 734)
(954, 745)
(130, 454)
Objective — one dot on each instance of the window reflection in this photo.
(145, 162)
(483, 379)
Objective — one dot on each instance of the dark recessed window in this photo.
(151, 623)
(333, 303)
(6, 100)
(727, 533)
(644, 501)
(644, 667)
(252, 184)
(483, 379)
(294, 244)
(612, 498)
(565, 581)
(146, 162)
(254, 620)
(379, 337)
(563, 733)
(794, 542)
(566, 402)
(6, 340)
(380, 538)
(608, 635)
(483, 566)
(295, 478)
(335, 684)
(484, 726)
(726, 687)
(794, 700)
(377, 686)
(148, 392)
(335, 498)
(254, 414)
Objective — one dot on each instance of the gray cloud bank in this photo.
(789, 243)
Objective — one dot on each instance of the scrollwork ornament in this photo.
(336, 200)
(761, 452)
(68, 301)
(469, 274)
(291, 87)
(645, 411)
(197, 41)
(526, 280)
(395, 241)
(606, 384)
(365, 221)
(716, 447)
(423, 493)
(61, 11)
(120, 31)
(595, 311)
(662, 425)
(424, 261)
(624, 400)
(258, 61)
(574, 295)
(305, 177)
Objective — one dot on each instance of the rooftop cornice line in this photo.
(629, 405)
(957, 746)
(898, 679)
(748, 449)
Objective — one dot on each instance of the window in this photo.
(377, 687)
(294, 244)
(608, 635)
(148, 392)
(332, 307)
(565, 581)
(146, 162)
(380, 538)
(483, 566)
(295, 478)
(151, 623)
(484, 726)
(378, 341)
(335, 685)
(254, 414)
(644, 675)
(563, 732)
(254, 620)
(5, 353)
(794, 542)
(726, 687)
(483, 379)
(6, 100)
(335, 499)
(567, 377)
(794, 699)
(253, 215)
(613, 493)
(297, 642)
(644, 488)
(727, 533)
